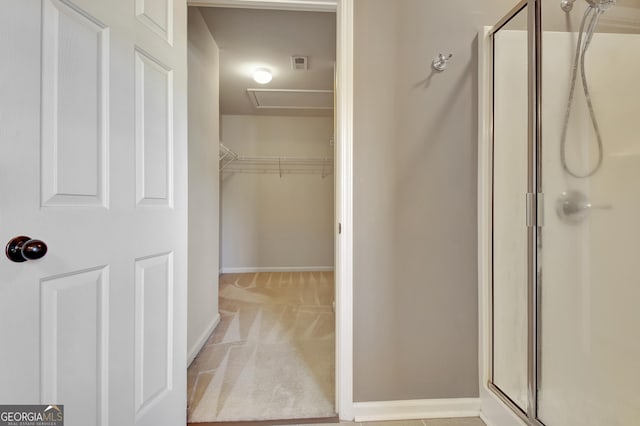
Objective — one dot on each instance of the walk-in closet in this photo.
(271, 355)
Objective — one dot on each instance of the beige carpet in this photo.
(272, 355)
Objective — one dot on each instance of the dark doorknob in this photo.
(21, 249)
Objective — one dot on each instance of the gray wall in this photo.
(203, 180)
(415, 246)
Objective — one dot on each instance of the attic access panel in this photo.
(291, 98)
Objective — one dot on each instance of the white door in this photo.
(93, 163)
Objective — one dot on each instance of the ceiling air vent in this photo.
(300, 63)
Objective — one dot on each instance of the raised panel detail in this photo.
(75, 74)
(74, 344)
(158, 16)
(153, 330)
(154, 132)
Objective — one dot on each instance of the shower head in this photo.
(600, 5)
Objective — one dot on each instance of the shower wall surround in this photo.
(589, 367)
(588, 318)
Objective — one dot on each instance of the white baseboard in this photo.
(416, 409)
(202, 340)
(485, 419)
(247, 270)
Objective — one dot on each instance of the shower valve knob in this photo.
(598, 206)
(573, 207)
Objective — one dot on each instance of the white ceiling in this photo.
(252, 38)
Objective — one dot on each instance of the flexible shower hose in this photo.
(581, 50)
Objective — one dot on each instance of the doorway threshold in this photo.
(328, 420)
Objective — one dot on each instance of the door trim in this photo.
(343, 174)
(344, 210)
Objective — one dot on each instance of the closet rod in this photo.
(281, 165)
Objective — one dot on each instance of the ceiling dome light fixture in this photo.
(262, 76)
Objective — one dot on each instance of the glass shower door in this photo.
(589, 251)
(509, 181)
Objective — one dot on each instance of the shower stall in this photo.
(559, 214)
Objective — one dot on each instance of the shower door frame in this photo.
(534, 197)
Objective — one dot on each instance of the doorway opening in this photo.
(272, 355)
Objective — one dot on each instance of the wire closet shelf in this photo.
(231, 162)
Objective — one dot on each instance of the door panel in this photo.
(75, 362)
(93, 136)
(74, 90)
(153, 319)
(154, 141)
(157, 16)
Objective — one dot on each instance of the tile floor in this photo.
(467, 421)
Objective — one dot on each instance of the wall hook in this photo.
(439, 63)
